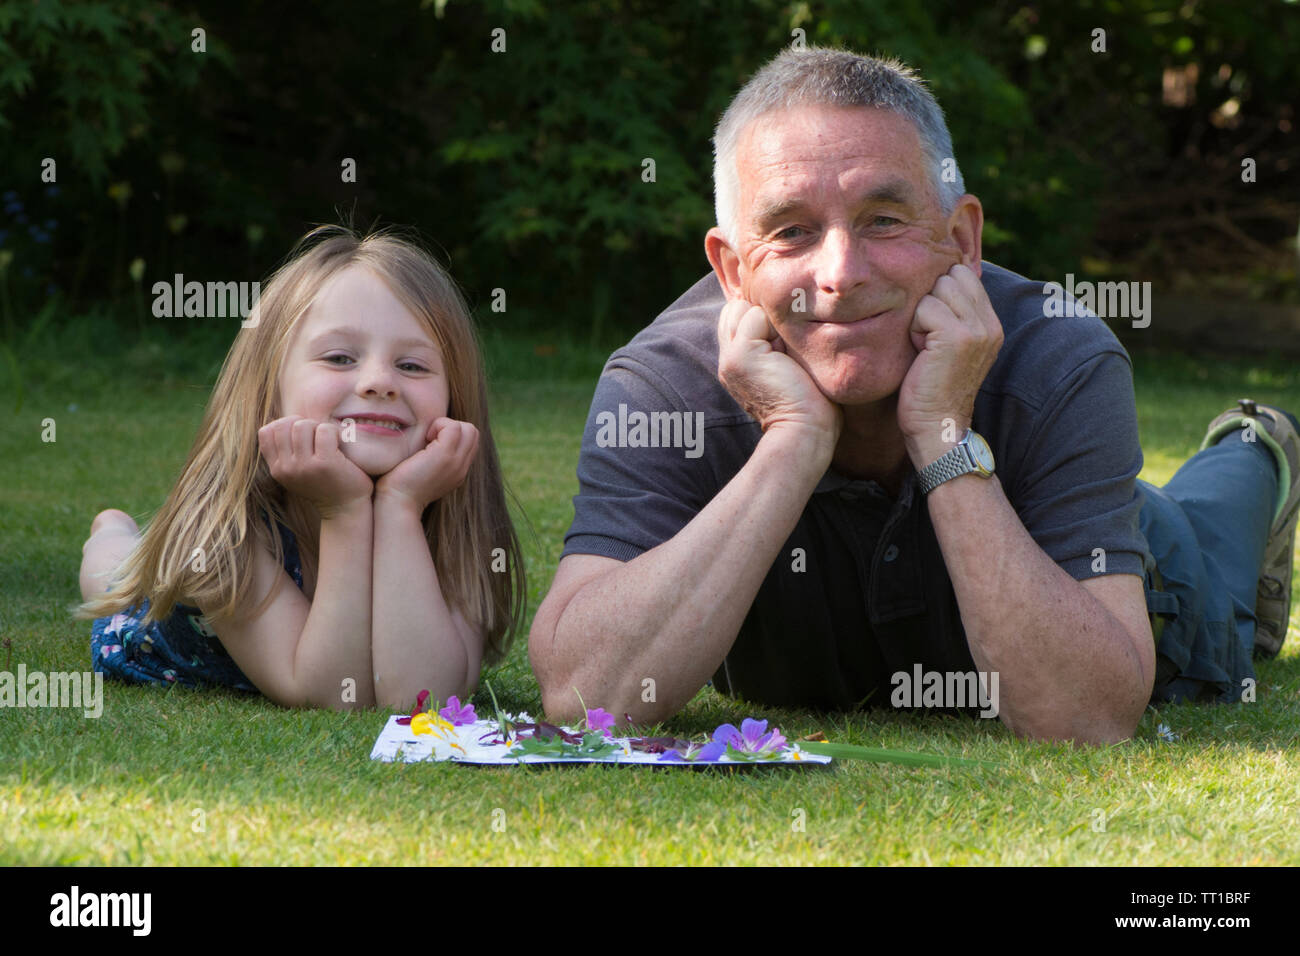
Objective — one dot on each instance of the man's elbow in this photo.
(561, 708)
(567, 687)
(567, 692)
(1091, 728)
(559, 703)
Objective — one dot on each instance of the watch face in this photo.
(980, 450)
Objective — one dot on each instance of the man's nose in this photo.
(841, 264)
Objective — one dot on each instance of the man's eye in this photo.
(885, 221)
(790, 232)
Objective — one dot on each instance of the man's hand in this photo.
(770, 385)
(434, 470)
(957, 336)
(304, 456)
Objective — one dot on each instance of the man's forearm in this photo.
(416, 642)
(1067, 668)
(672, 614)
(335, 642)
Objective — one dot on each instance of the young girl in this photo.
(339, 534)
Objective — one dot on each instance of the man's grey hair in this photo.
(817, 76)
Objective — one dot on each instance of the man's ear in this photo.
(966, 227)
(725, 262)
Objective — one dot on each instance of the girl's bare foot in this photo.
(112, 536)
(112, 517)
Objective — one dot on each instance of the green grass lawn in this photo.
(178, 777)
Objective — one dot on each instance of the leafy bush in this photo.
(526, 168)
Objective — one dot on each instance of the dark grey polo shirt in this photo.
(867, 593)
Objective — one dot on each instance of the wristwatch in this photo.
(971, 454)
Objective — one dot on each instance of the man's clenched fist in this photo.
(767, 383)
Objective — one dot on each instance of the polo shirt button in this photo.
(891, 552)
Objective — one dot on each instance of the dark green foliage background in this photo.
(523, 168)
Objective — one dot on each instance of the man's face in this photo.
(836, 210)
(359, 353)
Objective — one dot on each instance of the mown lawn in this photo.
(213, 777)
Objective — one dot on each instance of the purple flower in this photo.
(457, 715)
(753, 737)
(695, 753)
(711, 751)
(598, 719)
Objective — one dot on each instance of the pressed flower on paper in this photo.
(753, 737)
(753, 741)
(599, 719)
(456, 714)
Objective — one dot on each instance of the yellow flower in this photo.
(427, 723)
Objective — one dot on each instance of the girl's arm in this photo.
(419, 643)
(317, 653)
(302, 653)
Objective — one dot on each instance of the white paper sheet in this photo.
(465, 745)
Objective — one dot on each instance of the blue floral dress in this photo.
(179, 650)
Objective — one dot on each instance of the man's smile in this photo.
(860, 322)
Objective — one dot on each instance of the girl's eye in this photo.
(343, 360)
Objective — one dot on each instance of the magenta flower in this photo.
(457, 715)
(753, 737)
(598, 719)
(420, 701)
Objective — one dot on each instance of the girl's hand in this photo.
(435, 470)
(304, 456)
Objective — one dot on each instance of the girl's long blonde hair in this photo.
(200, 545)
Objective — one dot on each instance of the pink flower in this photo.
(457, 715)
(598, 719)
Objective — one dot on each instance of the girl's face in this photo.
(359, 353)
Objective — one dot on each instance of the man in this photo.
(828, 534)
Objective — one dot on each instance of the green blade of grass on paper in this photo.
(880, 755)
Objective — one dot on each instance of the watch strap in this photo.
(957, 461)
(952, 464)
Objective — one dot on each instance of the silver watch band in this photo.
(952, 464)
(971, 455)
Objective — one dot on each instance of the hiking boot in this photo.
(1277, 430)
